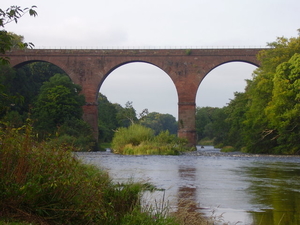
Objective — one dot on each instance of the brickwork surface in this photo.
(186, 68)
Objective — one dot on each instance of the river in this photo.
(241, 188)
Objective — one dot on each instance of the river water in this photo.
(241, 188)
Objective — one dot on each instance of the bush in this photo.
(133, 135)
(140, 140)
(48, 181)
(45, 183)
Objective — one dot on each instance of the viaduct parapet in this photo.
(186, 68)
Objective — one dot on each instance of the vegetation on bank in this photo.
(45, 183)
(140, 140)
(264, 118)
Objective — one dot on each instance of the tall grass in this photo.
(133, 135)
(44, 183)
(140, 140)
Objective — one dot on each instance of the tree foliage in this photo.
(159, 122)
(126, 115)
(7, 40)
(107, 119)
(20, 87)
(261, 135)
(264, 118)
(59, 100)
(284, 109)
(210, 124)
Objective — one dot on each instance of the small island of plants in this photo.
(140, 140)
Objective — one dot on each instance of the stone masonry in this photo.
(186, 68)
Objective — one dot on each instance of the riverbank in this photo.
(241, 187)
(216, 152)
(44, 183)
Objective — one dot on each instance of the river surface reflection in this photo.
(245, 189)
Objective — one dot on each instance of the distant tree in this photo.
(203, 119)
(236, 113)
(126, 116)
(59, 100)
(107, 119)
(219, 126)
(211, 124)
(159, 122)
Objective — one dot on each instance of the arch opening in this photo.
(143, 84)
(218, 86)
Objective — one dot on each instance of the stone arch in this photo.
(149, 62)
(230, 61)
(88, 67)
(231, 74)
(144, 67)
(62, 66)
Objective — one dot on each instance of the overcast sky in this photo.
(160, 23)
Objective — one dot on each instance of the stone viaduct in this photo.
(186, 68)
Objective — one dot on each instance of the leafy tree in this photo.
(219, 126)
(20, 87)
(7, 40)
(30, 78)
(7, 99)
(126, 116)
(210, 123)
(260, 135)
(159, 122)
(284, 109)
(107, 119)
(59, 100)
(203, 118)
(236, 112)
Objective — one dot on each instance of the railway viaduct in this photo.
(186, 68)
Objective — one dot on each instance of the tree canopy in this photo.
(265, 118)
(59, 100)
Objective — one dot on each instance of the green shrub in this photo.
(45, 183)
(228, 149)
(133, 135)
(45, 180)
(140, 140)
(78, 133)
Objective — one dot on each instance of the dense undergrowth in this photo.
(45, 183)
(140, 140)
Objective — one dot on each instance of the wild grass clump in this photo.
(140, 140)
(44, 183)
(228, 149)
(134, 135)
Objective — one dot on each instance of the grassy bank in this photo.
(44, 183)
